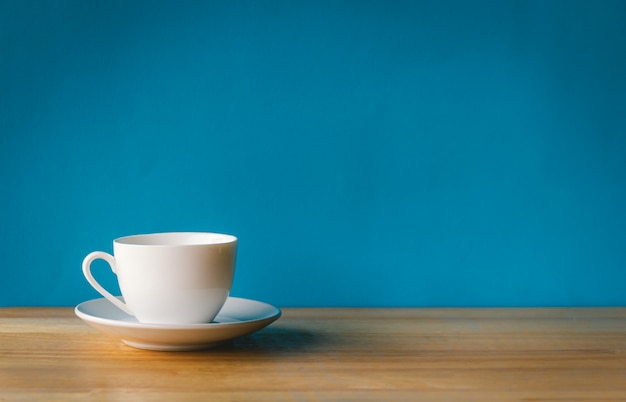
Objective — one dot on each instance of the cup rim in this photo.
(158, 239)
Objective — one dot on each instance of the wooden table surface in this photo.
(330, 354)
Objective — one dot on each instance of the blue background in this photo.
(366, 153)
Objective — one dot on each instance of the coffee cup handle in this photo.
(91, 257)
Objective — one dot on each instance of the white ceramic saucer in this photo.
(238, 317)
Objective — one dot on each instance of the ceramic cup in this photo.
(170, 278)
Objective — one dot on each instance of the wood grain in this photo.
(330, 354)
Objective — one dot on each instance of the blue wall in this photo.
(367, 153)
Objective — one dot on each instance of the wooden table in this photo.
(330, 354)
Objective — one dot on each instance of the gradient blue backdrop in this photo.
(367, 153)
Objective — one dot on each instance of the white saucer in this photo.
(238, 317)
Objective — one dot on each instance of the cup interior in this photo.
(177, 239)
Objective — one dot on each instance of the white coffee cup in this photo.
(170, 278)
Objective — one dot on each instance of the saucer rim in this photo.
(274, 315)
